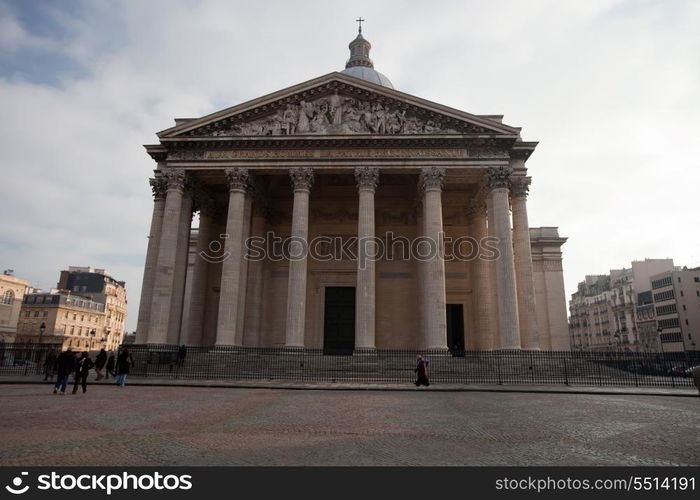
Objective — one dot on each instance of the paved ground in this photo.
(211, 426)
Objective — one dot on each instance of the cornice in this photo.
(326, 85)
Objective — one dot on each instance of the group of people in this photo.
(68, 363)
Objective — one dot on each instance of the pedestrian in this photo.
(110, 367)
(124, 364)
(49, 365)
(100, 362)
(696, 377)
(181, 353)
(422, 371)
(65, 364)
(82, 370)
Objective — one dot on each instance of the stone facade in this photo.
(676, 300)
(99, 286)
(69, 320)
(340, 169)
(612, 311)
(12, 290)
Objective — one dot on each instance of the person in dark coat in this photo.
(110, 367)
(100, 362)
(181, 353)
(82, 370)
(421, 371)
(124, 364)
(65, 365)
(49, 365)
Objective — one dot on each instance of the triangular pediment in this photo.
(336, 105)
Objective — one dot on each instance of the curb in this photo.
(397, 388)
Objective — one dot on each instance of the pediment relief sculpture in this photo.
(337, 114)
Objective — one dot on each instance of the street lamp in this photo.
(39, 353)
(661, 341)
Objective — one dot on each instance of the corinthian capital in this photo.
(367, 177)
(175, 179)
(302, 178)
(159, 186)
(520, 186)
(432, 178)
(238, 179)
(498, 177)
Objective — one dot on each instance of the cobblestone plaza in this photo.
(162, 426)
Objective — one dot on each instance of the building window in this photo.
(696, 279)
(26, 314)
(46, 313)
(8, 297)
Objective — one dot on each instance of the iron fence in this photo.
(396, 366)
(26, 359)
(622, 369)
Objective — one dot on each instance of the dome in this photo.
(369, 74)
(361, 66)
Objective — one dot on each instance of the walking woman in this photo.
(124, 364)
(421, 371)
(82, 370)
(110, 367)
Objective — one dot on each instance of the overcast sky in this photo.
(611, 89)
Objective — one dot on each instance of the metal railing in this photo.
(622, 369)
(396, 366)
(26, 359)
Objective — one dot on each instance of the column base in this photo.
(365, 351)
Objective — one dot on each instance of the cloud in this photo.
(608, 88)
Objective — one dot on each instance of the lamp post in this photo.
(42, 329)
(661, 341)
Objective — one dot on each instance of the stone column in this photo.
(227, 321)
(480, 275)
(421, 302)
(432, 179)
(159, 186)
(180, 271)
(252, 335)
(302, 179)
(505, 266)
(167, 252)
(529, 331)
(201, 270)
(365, 299)
(494, 330)
(243, 283)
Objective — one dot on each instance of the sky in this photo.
(609, 88)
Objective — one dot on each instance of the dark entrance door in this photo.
(339, 321)
(455, 328)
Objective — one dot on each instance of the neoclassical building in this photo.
(345, 215)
